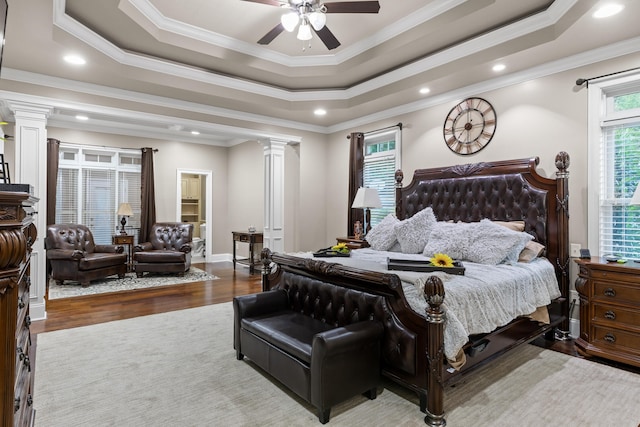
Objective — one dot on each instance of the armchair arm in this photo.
(254, 305)
(146, 246)
(65, 254)
(345, 338)
(186, 248)
(112, 249)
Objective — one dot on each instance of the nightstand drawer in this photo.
(615, 276)
(604, 336)
(618, 315)
(616, 291)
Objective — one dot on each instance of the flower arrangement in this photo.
(441, 260)
(340, 248)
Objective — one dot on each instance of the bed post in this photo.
(434, 294)
(562, 210)
(399, 176)
(265, 256)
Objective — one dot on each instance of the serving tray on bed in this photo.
(328, 253)
(418, 265)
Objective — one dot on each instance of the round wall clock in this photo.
(469, 126)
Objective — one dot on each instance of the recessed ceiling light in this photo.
(195, 132)
(499, 67)
(75, 60)
(607, 10)
(320, 112)
(82, 117)
(425, 90)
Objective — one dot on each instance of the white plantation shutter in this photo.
(67, 197)
(129, 186)
(379, 173)
(381, 160)
(619, 222)
(99, 203)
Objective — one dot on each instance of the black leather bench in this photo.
(323, 351)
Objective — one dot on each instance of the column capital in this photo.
(29, 110)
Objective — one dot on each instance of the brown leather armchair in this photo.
(73, 255)
(168, 249)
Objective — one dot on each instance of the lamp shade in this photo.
(635, 199)
(366, 198)
(125, 209)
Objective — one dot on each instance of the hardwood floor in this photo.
(91, 309)
(88, 310)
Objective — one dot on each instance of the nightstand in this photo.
(353, 243)
(609, 310)
(127, 241)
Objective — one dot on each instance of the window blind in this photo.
(379, 173)
(99, 203)
(129, 185)
(67, 196)
(619, 225)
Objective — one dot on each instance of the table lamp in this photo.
(366, 198)
(124, 210)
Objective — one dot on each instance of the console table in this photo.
(251, 239)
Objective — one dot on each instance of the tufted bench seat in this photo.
(308, 340)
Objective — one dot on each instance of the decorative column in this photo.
(274, 194)
(30, 167)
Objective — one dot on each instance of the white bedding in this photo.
(486, 297)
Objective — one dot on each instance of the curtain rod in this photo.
(155, 150)
(378, 130)
(580, 82)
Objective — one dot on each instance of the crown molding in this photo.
(501, 35)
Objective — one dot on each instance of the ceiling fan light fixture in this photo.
(317, 20)
(289, 21)
(304, 32)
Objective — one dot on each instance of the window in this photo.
(92, 182)
(381, 160)
(614, 160)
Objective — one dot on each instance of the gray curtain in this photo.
(148, 196)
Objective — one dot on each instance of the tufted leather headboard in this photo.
(510, 190)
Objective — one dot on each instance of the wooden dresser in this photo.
(609, 310)
(17, 354)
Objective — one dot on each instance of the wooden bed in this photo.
(413, 344)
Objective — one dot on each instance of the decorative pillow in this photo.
(413, 233)
(382, 237)
(449, 238)
(482, 242)
(531, 251)
(511, 225)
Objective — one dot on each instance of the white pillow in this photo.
(413, 233)
(483, 242)
(382, 237)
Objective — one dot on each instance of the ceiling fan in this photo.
(309, 15)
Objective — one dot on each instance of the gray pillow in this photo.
(483, 242)
(382, 237)
(413, 233)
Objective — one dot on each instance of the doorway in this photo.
(194, 204)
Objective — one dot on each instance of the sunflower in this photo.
(441, 260)
(341, 248)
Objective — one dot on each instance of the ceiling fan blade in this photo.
(353, 7)
(275, 32)
(269, 2)
(327, 37)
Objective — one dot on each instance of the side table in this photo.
(353, 243)
(127, 241)
(252, 239)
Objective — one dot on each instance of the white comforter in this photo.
(485, 298)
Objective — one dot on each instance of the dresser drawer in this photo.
(626, 318)
(616, 292)
(615, 338)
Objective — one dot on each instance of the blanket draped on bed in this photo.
(486, 297)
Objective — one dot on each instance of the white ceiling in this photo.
(165, 67)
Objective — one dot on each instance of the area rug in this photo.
(179, 369)
(130, 281)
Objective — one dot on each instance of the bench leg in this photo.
(239, 356)
(323, 415)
